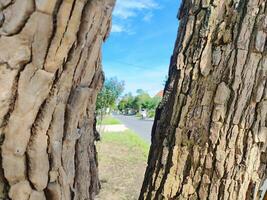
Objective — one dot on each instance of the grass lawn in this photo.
(129, 139)
(122, 162)
(108, 120)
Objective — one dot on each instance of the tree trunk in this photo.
(210, 133)
(50, 74)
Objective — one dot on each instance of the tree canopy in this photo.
(109, 94)
(139, 102)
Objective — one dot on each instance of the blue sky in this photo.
(141, 42)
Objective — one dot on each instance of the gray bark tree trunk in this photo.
(210, 132)
(50, 74)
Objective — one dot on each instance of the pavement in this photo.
(141, 127)
(264, 189)
(111, 128)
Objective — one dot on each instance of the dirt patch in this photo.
(121, 171)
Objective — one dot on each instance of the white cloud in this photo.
(129, 8)
(126, 9)
(122, 28)
(116, 28)
(148, 17)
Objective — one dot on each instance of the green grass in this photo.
(108, 120)
(129, 139)
(138, 116)
(122, 163)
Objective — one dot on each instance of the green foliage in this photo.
(138, 115)
(109, 94)
(151, 113)
(140, 91)
(141, 101)
(126, 102)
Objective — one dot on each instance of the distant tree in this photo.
(126, 102)
(141, 101)
(155, 102)
(140, 91)
(109, 94)
(144, 101)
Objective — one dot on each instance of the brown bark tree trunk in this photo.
(50, 74)
(210, 133)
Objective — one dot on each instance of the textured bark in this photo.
(50, 74)
(210, 132)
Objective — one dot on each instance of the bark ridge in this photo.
(50, 74)
(209, 137)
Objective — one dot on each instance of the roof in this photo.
(159, 94)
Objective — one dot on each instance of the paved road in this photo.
(142, 127)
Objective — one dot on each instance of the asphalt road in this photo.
(141, 127)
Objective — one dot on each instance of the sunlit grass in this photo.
(122, 160)
(127, 138)
(108, 120)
